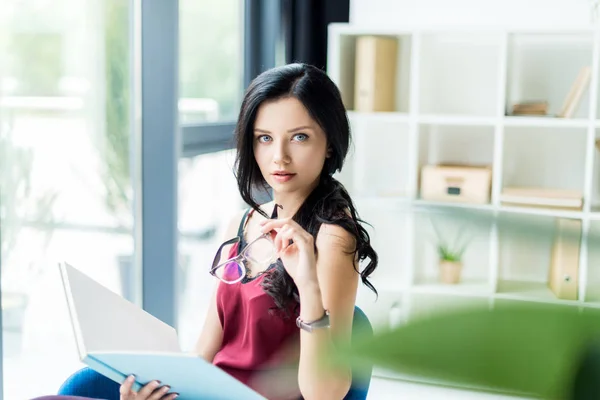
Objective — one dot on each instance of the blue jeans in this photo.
(87, 384)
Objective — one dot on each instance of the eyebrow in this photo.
(290, 130)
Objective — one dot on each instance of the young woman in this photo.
(269, 323)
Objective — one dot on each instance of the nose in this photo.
(280, 153)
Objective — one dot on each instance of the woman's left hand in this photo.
(298, 257)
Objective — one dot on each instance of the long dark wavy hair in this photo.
(329, 202)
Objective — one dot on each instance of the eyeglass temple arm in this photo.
(218, 255)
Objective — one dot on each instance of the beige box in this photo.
(459, 183)
(375, 73)
(563, 278)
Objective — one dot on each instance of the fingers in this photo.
(150, 391)
(290, 237)
(159, 393)
(147, 390)
(287, 230)
(125, 390)
(283, 238)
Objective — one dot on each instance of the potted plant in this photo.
(450, 256)
(450, 263)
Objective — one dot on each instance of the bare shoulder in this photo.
(333, 237)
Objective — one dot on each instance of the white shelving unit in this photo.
(454, 87)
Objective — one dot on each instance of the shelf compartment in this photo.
(525, 256)
(373, 169)
(387, 227)
(342, 66)
(544, 66)
(524, 249)
(548, 158)
(468, 82)
(441, 144)
(431, 230)
(449, 144)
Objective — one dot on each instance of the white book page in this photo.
(103, 321)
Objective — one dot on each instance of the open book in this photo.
(117, 339)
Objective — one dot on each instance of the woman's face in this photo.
(289, 146)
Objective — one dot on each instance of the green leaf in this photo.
(523, 348)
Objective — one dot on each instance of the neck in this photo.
(290, 202)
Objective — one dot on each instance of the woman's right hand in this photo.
(151, 391)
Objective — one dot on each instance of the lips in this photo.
(282, 176)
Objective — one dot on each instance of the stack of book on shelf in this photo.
(530, 108)
(542, 197)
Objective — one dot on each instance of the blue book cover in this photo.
(190, 376)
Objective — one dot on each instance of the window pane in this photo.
(208, 198)
(64, 174)
(210, 60)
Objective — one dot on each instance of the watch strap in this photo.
(322, 322)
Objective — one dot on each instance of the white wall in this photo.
(519, 13)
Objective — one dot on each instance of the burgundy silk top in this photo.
(256, 335)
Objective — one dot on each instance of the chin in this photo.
(284, 188)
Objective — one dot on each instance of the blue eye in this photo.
(301, 137)
(263, 138)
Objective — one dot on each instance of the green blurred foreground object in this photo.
(533, 350)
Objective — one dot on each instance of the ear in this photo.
(328, 154)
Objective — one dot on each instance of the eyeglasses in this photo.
(260, 252)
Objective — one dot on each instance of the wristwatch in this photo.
(322, 322)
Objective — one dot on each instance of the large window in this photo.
(64, 174)
(211, 74)
(211, 60)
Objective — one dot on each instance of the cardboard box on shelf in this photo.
(456, 183)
